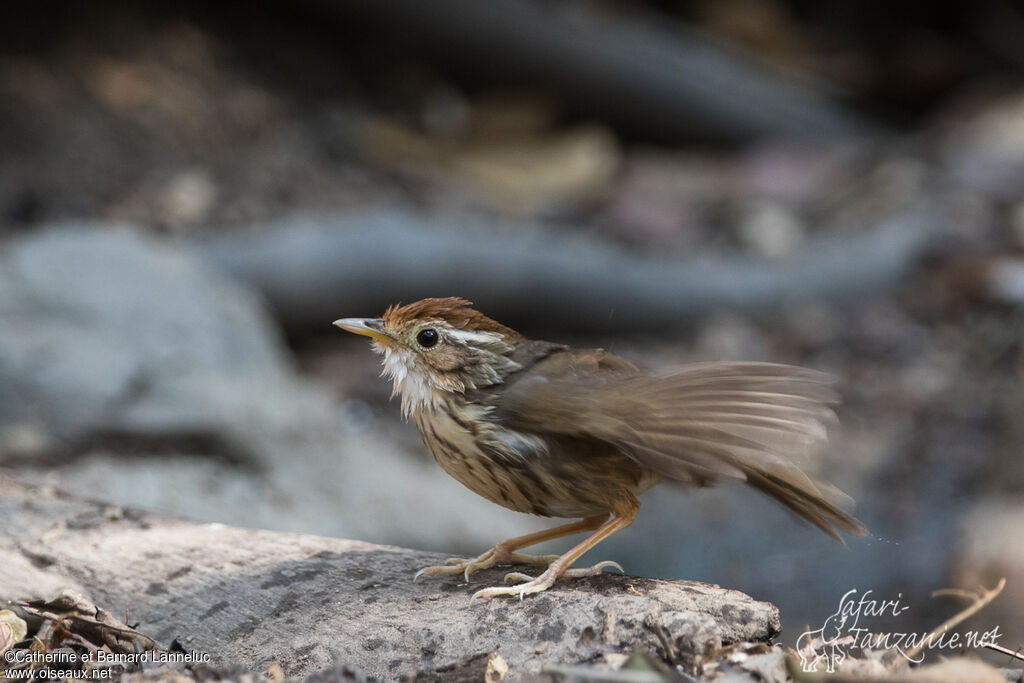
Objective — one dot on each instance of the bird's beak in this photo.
(368, 327)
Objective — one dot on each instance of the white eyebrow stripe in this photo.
(468, 337)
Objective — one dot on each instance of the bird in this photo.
(546, 429)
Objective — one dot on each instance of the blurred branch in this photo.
(311, 270)
(646, 72)
(1015, 654)
(979, 599)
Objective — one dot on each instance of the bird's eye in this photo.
(427, 338)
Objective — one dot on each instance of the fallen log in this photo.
(312, 270)
(645, 72)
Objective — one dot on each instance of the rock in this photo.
(133, 372)
(521, 175)
(252, 598)
(105, 329)
(771, 229)
(986, 151)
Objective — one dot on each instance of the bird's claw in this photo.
(533, 585)
(457, 565)
(595, 570)
(540, 583)
(465, 566)
(461, 567)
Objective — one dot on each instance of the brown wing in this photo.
(699, 424)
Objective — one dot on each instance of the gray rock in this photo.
(251, 598)
(107, 330)
(103, 328)
(133, 372)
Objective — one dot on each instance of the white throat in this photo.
(407, 381)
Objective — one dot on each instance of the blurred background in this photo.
(191, 192)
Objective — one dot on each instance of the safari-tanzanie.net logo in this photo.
(850, 627)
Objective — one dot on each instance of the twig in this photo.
(1016, 654)
(981, 598)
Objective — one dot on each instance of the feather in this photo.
(697, 425)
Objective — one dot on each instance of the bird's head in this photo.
(438, 345)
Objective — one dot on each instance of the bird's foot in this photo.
(499, 553)
(540, 583)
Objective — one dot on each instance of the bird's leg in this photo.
(560, 567)
(505, 551)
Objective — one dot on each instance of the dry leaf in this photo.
(13, 629)
(77, 615)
